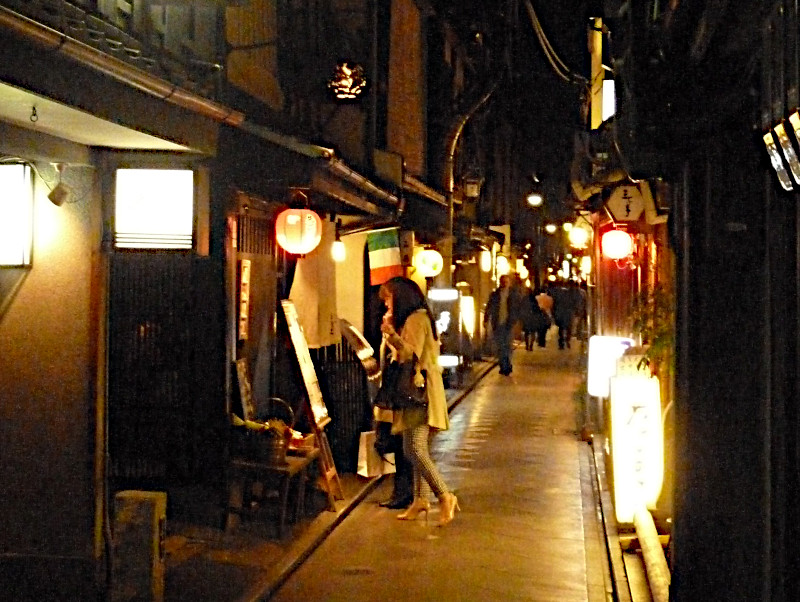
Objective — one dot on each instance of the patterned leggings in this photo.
(426, 476)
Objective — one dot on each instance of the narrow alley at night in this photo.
(247, 245)
(527, 529)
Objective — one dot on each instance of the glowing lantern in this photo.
(503, 267)
(578, 237)
(429, 263)
(486, 261)
(298, 231)
(616, 244)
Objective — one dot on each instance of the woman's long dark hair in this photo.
(407, 298)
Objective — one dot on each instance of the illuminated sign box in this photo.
(154, 209)
(637, 443)
(603, 354)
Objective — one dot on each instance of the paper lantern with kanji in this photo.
(616, 244)
(298, 231)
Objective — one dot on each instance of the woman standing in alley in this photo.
(409, 329)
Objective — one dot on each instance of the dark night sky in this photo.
(552, 105)
(542, 105)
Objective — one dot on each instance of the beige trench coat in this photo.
(417, 334)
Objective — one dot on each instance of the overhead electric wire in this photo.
(560, 67)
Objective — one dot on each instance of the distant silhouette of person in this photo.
(545, 302)
(502, 313)
(534, 319)
(565, 304)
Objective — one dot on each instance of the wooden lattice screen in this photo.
(344, 386)
(165, 378)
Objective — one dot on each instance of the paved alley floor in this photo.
(527, 529)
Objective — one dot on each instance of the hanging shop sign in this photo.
(626, 203)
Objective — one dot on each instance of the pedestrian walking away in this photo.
(502, 313)
(410, 331)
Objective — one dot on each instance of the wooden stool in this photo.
(244, 473)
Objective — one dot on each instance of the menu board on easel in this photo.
(317, 404)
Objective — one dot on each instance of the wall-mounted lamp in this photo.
(550, 228)
(348, 82)
(338, 251)
(472, 187)
(60, 192)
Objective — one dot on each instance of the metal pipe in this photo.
(338, 167)
(446, 275)
(658, 575)
(55, 41)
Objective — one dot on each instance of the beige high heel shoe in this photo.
(418, 506)
(449, 504)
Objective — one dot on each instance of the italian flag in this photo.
(384, 256)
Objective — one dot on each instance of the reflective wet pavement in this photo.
(527, 529)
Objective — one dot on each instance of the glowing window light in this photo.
(486, 261)
(16, 215)
(777, 162)
(154, 208)
(603, 354)
(550, 228)
(503, 266)
(637, 443)
(616, 244)
(298, 231)
(429, 263)
(523, 272)
(586, 265)
(788, 151)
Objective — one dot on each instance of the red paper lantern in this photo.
(616, 244)
(298, 231)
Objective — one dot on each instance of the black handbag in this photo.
(398, 390)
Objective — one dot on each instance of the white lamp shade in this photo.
(298, 231)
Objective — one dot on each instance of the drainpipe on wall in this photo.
(445, 278)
